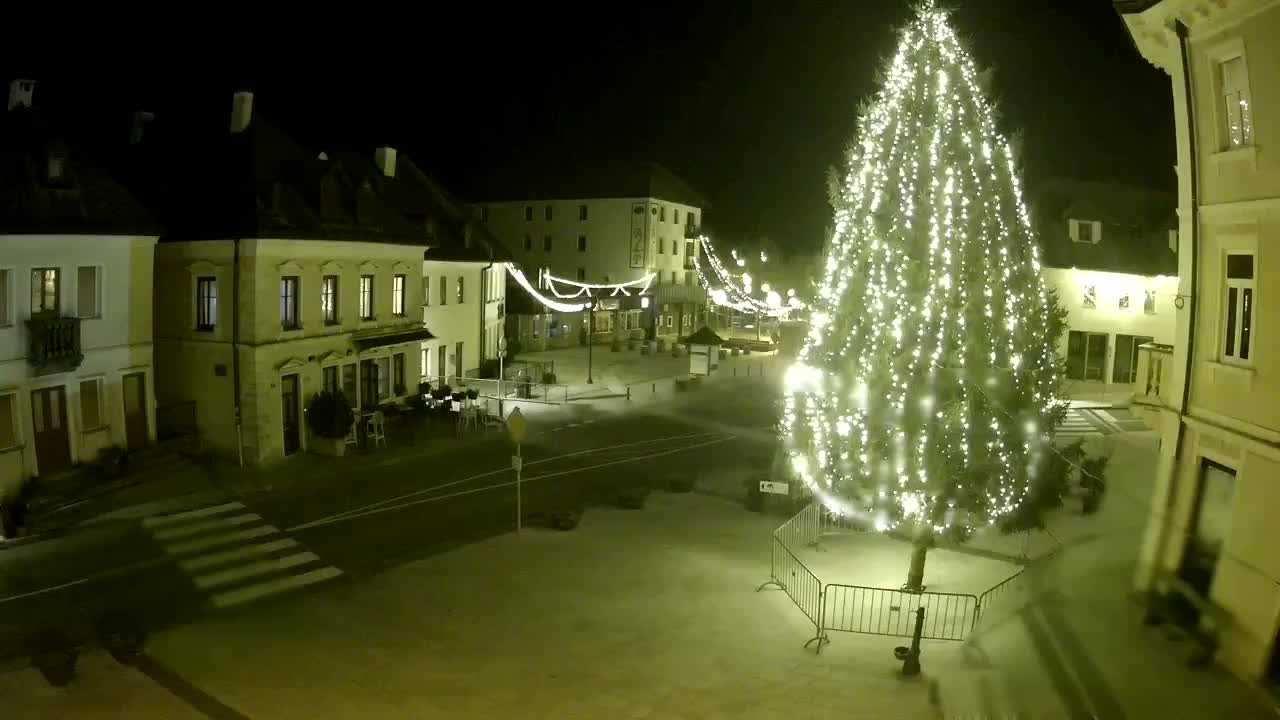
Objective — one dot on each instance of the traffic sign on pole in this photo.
(517, 426)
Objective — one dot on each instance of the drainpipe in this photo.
(1194, 183)
(235, 348)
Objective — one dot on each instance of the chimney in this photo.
(385, 157)
(241, 111)
(20, 93)
(140, 120)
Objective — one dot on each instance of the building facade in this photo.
(631, 222)
(1110, 254)
(1216, 491)
(75, 304)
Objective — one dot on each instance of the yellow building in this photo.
(1215, 395)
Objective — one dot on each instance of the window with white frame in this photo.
(89, 291)
(1085, 231)
(289, 302)
(8, 421)
(366, 297)
(329, 299)
(1090, 299)
(91, 414)
(6, 314)
(46, 286)
(426, 290)
(1237, 326)
(1233, 81)
(397, 295)
(462, 295)
(206, 303)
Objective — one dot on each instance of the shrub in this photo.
(472, 394)
(329, 415)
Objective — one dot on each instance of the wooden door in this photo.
(135, 410)
(290, 413)
(52, 440)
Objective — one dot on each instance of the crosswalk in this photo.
(233, 556)
(1079, 424)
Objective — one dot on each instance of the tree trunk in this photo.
(915, 576)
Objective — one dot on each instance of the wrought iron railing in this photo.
(53, 343)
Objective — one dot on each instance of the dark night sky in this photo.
(749, 101)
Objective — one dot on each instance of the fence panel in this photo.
(1010, 594)
(881, 611)
(802, 529)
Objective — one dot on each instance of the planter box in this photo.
(327, 446)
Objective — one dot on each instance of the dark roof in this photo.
(1136, 223)
(704, 336)
(83, 200)
(1130, 7)
(588, 181)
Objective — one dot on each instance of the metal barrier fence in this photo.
(869, 610)
(880, 611)
(550, 393)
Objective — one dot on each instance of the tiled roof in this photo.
(1136, 223)
(83, 199)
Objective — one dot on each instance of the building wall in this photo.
(196, 365)
(451, 321)
(1230, 419)
(608, 230)
(1107, 316)
(116, 342)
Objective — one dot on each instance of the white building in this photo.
(1211, 533)
(1110, 253)
(616, 225)
(75, 304)
(295, 273)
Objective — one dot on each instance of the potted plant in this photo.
(1093, 483)
(122, 636)
(329, 417)
(473, 394)
(54, 655)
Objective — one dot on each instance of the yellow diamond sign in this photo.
(517, 426)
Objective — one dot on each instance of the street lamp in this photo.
(591, 329)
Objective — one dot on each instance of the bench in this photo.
(1205, 626)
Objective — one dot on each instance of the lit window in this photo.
(206, 303)
(426, 290)
(1237, 328)
(1235, 96)
(366, 297)
(461, 293)
(397, 295)
(45, 290)
(329, 299)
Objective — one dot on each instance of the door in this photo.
(457, 361)
(441, 364)
(49, 419)
(1125, 367)
(135, 410)
(289, 413)
(368, 385)
(1086, 355)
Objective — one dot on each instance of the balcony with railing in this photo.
(53, 343)
(1155, 363)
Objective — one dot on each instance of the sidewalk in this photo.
(613, 372)
(1070, 643)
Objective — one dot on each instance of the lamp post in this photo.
(591, 329)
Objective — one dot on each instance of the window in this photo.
(582, 243)
(675, 215)
(457, 360)
(1090, 296)
(206, 303)
(688, 279)
(424, 370)
(1085, 231)
(1234, 81)
(1237, 329)
(546, 243)
(1149, 303)
(462, 296)
(397, 295)
(366, 297)
(383, 373)
(426, 290)
(662, 213)
(5, 317)
(691, 220)
(484, 214)
(329, 299)
(673, 278)
(444, 290)
(289, 302)
(546, 213)
(1124, 369)
(55, 168)
(582, 212)
(1211, 523)
(662, 246)
(1086, 355)
(1124, 302)
(329, 379)
(582, 274)
(349, 383)
(675, 247)
(8, 421)
(528, 213)
(397, 373)
(88, 289)
(90, 405)
(528, 243)
(45, 290)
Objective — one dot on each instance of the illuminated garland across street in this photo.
(588, 289)
(725, 289)
(529, 288)
(925, 391)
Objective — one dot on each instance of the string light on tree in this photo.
(923, 395)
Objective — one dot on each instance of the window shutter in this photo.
(1097, 232)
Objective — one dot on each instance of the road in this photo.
(344, 528)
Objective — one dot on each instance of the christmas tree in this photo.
(924, 397)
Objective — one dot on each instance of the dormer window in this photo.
(56, 167)
(1085, 231)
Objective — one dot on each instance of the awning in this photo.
(383, 339)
